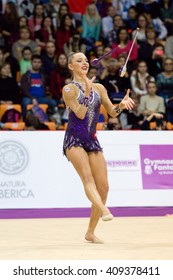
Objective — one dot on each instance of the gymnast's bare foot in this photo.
(92, 238)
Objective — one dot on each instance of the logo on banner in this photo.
(122, 164)
(157, 166)
(148, 169)
(13, 157)
(13, 160)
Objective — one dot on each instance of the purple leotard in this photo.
(82, 133)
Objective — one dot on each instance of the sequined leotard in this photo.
(82, 132)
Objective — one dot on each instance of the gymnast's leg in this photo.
(99, 172)
(80, 161)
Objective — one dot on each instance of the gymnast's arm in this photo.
(112, 110)
(70, 99)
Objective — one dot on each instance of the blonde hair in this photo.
(70, 57)
(96, 17)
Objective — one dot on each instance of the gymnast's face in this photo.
(79, 64)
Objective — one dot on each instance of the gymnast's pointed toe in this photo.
(107, 217)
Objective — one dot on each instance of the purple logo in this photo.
(157, 166)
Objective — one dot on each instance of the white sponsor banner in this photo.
(35, 174)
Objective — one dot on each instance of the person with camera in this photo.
(155, 66)
(74, 44)
(155, 121)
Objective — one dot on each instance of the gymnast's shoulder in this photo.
(98, 87)
(68, 89)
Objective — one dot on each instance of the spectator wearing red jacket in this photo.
(58, 77)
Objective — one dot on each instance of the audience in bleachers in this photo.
(54, 28)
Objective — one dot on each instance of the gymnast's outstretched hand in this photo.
(127, 102)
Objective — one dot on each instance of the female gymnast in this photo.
(83, 99)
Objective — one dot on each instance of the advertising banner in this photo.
(157, 166)
(34, 173)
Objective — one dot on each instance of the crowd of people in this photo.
(36, 37)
